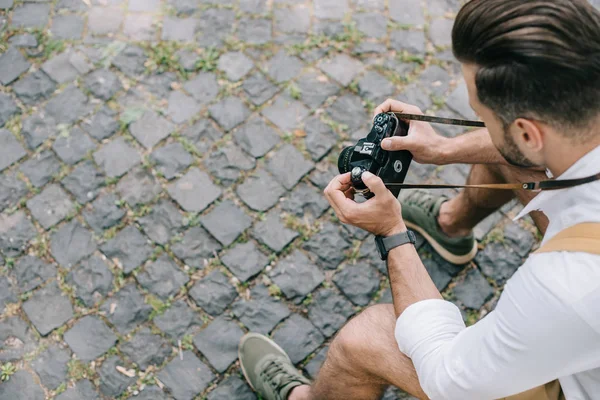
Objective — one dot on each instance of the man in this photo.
(533, 73)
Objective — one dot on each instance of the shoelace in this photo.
(423, 201)
(276, 375)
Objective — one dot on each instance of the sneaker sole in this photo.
(445, 254)
(262, 337)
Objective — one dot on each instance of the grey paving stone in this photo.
(131, 61)
(329, 245)
(426, 251)
(441, 277)
(315, 88)
(8, 108)
(519, 239)
(84, 182)
(163, 277)
(186, 376)
(498, 262)
(103, 124)
(329, 311)
(68, 106)
(370, 47)
(213, 293)
(92, 280)
(314, 365)
(103, 83)
(296, 276)
(31, 272)
(11, 150)
(129, 249)
(286, 113)
(305, 202)
(74, 146)
(66, 66)
(51, 366)
(71, 243)
(375, 87)
(349, 111)
(139, 27)
(116, 157)
(320, 138)
(30, 16)
(440, 32)
(128, 309)
(408, 12)
(215, 25)
(435, 79)
(11, 189)
(359, 282)
(372, 24)
(218, 342)
(254, 6)
(51, 206)
(342, 68)
(138, 187)
(386, 297)
(104, 20)
(82, 389)
(146, 349)
(295, 19)
(255, 31)
(202, 135)
(15, 233)
(474, 290)
(261, 313)
(21, 386)
(33, 87)
(330, 29)
(112, 382)
(187, 59)
(48, 308)
(178, 321)
(163, 223)
(16, 339)
(37, 128)
(26, 40)
(185, 7)
(288, 166)
(484, 227)
(204, 87)
(151, 129)
(260, 191)
(459, 101)
(159, 84)
(194, 191)
(228, 163)
(182, 107)
(144, 5)
(283, 67)
(256, 137)
(235, 65)
(40, 168)
(69, 27)
(103, 213)
(229, 112)
(232, 388)
(6, 4)
(196, 247)
(89, 338)
(226, 222)
(258, 88)
(331, 9)
(273, 233)
(298, 337)
(245, 260)
(7, 294)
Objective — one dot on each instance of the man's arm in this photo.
(473, 147)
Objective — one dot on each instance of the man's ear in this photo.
(528, 134)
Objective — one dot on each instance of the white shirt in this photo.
(546, 324)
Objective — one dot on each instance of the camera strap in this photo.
(529, 186)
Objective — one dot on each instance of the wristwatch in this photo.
(385, 244)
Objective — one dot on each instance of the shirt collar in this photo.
(585, 166)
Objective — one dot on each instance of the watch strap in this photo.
(385, 244)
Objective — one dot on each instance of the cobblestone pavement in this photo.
(161, 173)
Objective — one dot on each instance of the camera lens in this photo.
(344, 160)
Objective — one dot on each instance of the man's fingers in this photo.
(374, 183)
(397, 143)
(397, 106)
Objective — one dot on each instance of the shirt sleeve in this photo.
(530, 339)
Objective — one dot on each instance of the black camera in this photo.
(367, 155)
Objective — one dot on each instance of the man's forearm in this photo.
(474, 147)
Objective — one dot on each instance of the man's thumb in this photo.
(395, 143)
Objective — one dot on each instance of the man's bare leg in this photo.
(363, 360)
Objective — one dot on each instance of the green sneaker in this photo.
(267, 368)
(420, 211)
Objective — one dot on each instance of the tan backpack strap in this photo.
(583, 238)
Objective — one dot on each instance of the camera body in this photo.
(367, 155)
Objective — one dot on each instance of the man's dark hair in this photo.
(537, 59)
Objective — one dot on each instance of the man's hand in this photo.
(426, 146)
(380, 215)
